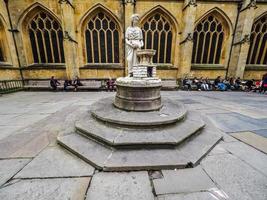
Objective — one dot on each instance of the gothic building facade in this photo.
(64, 38)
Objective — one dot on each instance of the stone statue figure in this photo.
(134, 41)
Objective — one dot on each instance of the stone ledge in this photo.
(42, 66)
(256, 68)
(207, 67)
(102, 66)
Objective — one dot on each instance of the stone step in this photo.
(122, 137)
(171, 112)
(109, 159)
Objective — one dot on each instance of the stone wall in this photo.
(183, 15)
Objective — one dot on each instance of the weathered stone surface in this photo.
(55, 162)
(262, 132)
(252, 139)
(109, 159)
(120, 186)
(8, 168)
(134, 138)
(218, 149)
(190, 196)
(236, 178)
(56, 189)
(183, 181)
(170, 112)
(86, 149)
(235, 122)
(248, 154)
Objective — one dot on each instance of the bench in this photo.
(45, 85)
(169, 84)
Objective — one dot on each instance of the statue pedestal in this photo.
(142, 91)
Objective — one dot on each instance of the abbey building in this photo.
(65, 38)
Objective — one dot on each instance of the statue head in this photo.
(135, 19)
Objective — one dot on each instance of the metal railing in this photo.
(7, 86)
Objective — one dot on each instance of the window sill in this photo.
(45, 66)
(6, 65)
(163, 66)
(207, 67)
(103, 66)
(256, 67)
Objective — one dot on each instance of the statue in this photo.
(134, 41)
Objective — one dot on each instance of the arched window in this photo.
(158, 35)
(102, 39)
(46, 39)
(209, 35)
(258, 45)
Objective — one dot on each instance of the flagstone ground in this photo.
(33, 166)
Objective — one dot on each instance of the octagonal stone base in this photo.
(138, 94)
(119, 140)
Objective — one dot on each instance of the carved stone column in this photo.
(70, 44)
(186, 44)
(242, 39)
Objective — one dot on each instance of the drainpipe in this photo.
(239, 6)
(13, 36)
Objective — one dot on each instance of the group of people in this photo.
(54, 83)
(226, 84)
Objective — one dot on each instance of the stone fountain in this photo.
(140, 130)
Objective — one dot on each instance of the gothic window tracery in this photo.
(102, 39)
(46, 38)
(158, 35)
(209, 35)
(258, 42)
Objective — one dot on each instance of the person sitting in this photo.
(237, 83)
(76, 83)
(66, 84)
(111, 85)
(187, 83)
(204, 84)
(264, 83)
(227, 84)
(54, 83)
(216, 81)
(249, 84)
(197, 83)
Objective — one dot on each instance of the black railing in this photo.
(7, 86)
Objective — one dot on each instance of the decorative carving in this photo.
(190, 3)
(68, 37)
(246, 39)
(189, 37)
(133, 2)
(252, 4)
(66, 1)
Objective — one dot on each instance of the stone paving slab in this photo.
(248, 154)
(8, 168)
(232, 122)
(236, 178)
(46, 189)
(183, 181)
(218, 149)
(55, 162)
(6, 131)
(262, 132)
(252, 139)
(120, 186)
(190, 196)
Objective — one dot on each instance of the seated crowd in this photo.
(74, 84)
(54, 83)
(225, 84)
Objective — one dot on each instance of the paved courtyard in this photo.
(34, 167)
